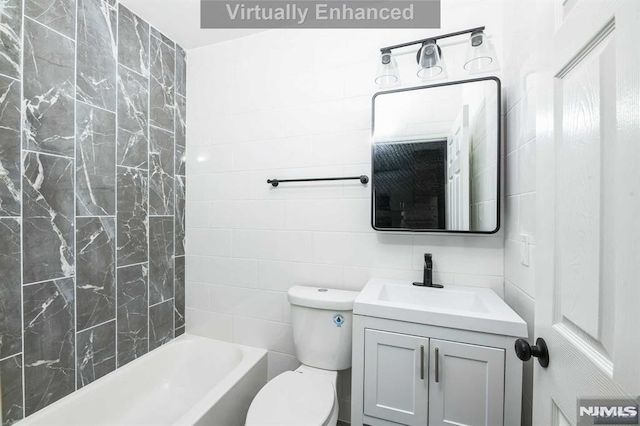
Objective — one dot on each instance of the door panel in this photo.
(580, 206)
(470, 385)
(393, 387)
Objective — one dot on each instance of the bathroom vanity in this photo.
(430, 356)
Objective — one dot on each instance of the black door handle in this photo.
(524, 351)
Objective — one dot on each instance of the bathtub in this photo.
(189, 381)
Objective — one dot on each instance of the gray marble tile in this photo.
(133, 306)
(160, 259)
(133, 106)
(181, 136)
(97, 50)
(132, 149)
(95, 161)
(181, 183)
(48, 217)
(11, 409)
(132, 219)
(96, 271)
(181, 71)
(163, 38)
(162, 85)
(10, 290)
(10, 147)
(49, 338)
(10, 37)
(96, 353)
(161, 162)
(179, 284)
(179, 331)
(59, 15)
(133, 41)
(160, 324)
(49, 90)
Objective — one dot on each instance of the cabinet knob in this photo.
(524, 351)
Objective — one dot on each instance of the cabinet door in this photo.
(466, 384)
(396, 377)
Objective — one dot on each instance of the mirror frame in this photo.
(499, 157)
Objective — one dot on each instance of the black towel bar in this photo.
(275, 182)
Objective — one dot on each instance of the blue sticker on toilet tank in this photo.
(338, 320)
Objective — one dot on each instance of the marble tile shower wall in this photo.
(92, 196)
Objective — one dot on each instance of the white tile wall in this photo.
(292, 104)
(520, 206)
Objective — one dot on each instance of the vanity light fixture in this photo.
(387, 75)
(430, 63)
(480, 54)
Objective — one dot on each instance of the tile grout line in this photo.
(149, 193)
(10, 356)
(115, 249)
(162, 129)
(160, 303)
(160, 38)
(92, 105)
(126, 67)
(32, 151)
(131, 168)
(96, 326)
(22, 119)
(15, 80)
(133, 264)
(75, 188)
(175, 193)
(49, 28)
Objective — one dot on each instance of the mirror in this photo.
(436, 152)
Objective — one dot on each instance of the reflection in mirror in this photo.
(436, 158)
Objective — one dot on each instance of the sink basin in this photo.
(440, 299)
(466, 308)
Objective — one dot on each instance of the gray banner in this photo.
(320, 14)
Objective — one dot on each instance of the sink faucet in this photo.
(427, 280)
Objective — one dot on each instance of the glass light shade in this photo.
(430, 63)
(480, 53)
(388, 74)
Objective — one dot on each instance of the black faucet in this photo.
(427, 280)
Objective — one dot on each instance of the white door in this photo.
(466, 384)
(588, 179)
(396, 377)
(458, 181)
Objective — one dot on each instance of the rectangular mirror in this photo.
(436, 158)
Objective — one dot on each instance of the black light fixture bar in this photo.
(364, 179)
(411, 43)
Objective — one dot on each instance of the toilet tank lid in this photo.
(322, 298)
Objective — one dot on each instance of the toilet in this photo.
(322, 329)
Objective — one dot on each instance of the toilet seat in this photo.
(294, 399)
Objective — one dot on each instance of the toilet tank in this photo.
(322, 321)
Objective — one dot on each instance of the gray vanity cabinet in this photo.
(414, 380)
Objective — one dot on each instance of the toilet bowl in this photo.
(322, 328)
(304, 397)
